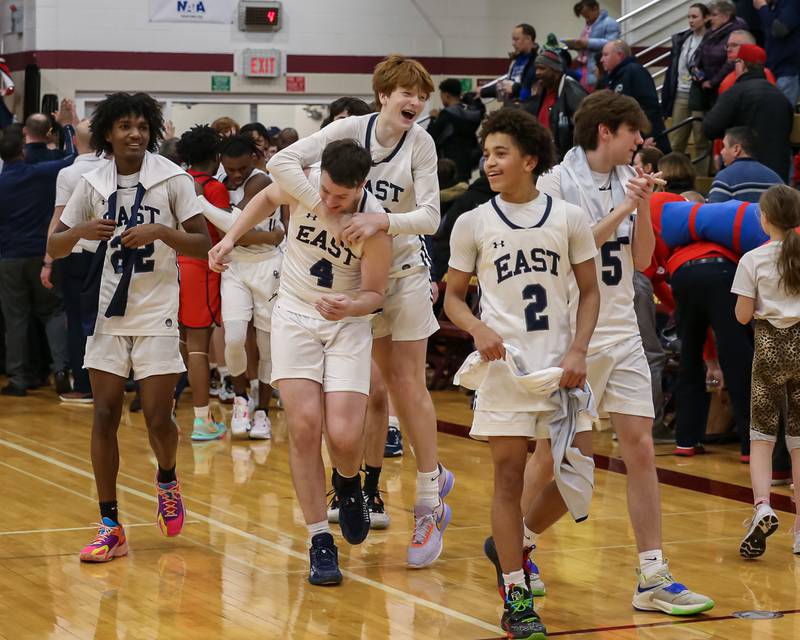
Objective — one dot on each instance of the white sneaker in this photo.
(262, 427)
(240, 420)
(762, 525)
(796, 547)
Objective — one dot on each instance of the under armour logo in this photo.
(502, 243)
(311, 216)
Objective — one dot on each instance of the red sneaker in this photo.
(684, 452)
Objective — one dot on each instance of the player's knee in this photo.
(106, 418)
(639, 450)
(305, 432)
(508, 480)
(345, 441)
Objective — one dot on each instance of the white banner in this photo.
(191, 11)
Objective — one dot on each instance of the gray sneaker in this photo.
(660, 592)
(426, 541)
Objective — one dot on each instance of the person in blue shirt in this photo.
(25, 209)
(521, 72)
(743, 178)
(781, 22)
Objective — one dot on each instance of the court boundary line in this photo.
(402, 595)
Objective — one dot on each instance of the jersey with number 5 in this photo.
(316, 261)
(523, 256)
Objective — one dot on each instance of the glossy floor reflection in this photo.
(239, 569)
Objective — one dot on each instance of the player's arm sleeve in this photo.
(63, 189)
(744, 282)
(79, 207)
(424, 220)
(582, 246)
(183, 198)
(550, 183)
(286, 166)
(464, 243)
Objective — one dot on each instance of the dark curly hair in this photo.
(238, 146)
(530, 136)
(199, 145)
(122, 104)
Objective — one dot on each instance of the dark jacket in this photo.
(454, 133)
(781, 22)
(29, 193)
(754, 102)
(570, 95)
(670, 87)
(528, 78)
(630, 78)
(710, 61)
(36, 152)
(477, 193)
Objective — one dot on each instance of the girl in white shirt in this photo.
(767, 282)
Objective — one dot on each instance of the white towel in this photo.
(472, 373)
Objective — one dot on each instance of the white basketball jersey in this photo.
(316, 262)
(391, 181)
(524, 274)
(254, 252)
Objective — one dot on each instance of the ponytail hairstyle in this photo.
(781, 207)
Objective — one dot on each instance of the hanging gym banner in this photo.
(220, 11)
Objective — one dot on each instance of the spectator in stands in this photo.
(677, 170)
(260, 136)
(709, 64)
(781, 22)
(599, 30)
(25, 211)
(37, 131)
(169, 150)
(226, 126)
(630, 78)
(743, 178)
(286, 137)
(647, 159)
(736, 40)
(344, 107)
(454, 128)
(754, 102)
(678, 82)
(521, 74)
(554, 99)
(450, 187)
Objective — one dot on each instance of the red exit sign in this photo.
(261, 63)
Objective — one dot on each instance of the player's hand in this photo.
(434, 292)
(44, 275)
(169, 130)
(66, 113)
(488, 343)
(219, 255)
(334, 306)
(364, 226)
(141, 234)
(574, 366)
(102, 229)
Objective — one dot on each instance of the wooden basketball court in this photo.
(239, 568)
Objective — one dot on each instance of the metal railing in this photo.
(636, 12)
(687, 123)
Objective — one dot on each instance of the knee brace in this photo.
(264, 356)
(235, 354)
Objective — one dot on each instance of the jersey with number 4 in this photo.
(523, 256)
(316, 261)
(169, 199)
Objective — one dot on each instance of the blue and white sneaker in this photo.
(660, 592)
(324, 558)
(394, 442)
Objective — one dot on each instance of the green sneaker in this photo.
(207, 430)
(660, 592)
(520, 621)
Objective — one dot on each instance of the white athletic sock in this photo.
(317, 527)
(428, 488)
(223, 372)
(212, 365)
(650, 561)
(201, 412)
(254, 386)
(515, 577)
(528, 537)
(394, 422)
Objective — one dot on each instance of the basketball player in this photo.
(322, 340)
(134, 206)
(200, 303)
(595, 175)
(249, 287)
(524, 247)
(404, 180)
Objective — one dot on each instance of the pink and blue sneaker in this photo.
(170, 508)
(109, 543)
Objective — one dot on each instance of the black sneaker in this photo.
(324, 558)
(378, 518)
(13, 390)
(62, 382)
(520, 620)
(333, 507)
(353, 514)
(136, 403)
(394, 443)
